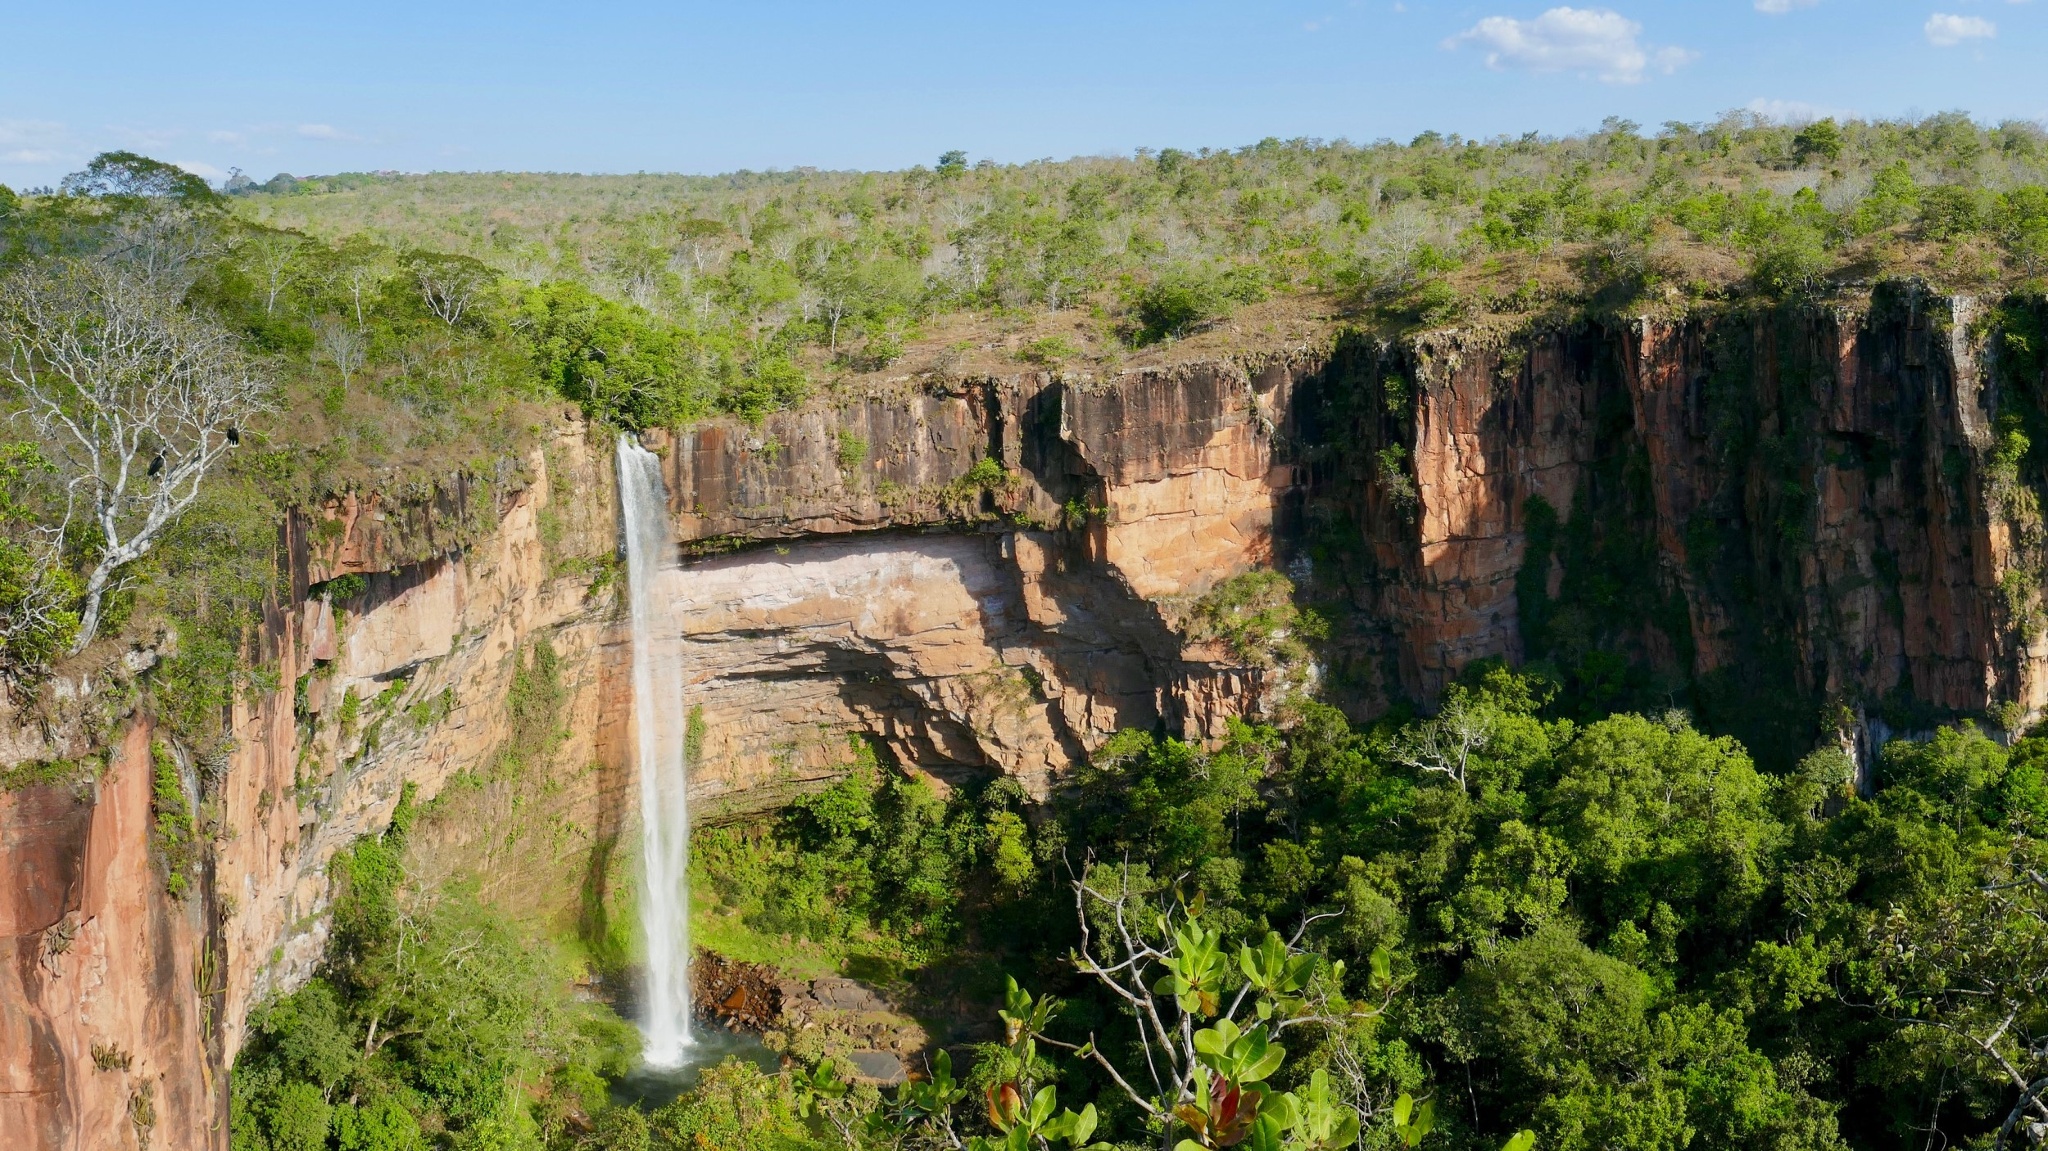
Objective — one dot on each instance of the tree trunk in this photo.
(95, 600)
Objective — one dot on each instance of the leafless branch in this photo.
(138, 398)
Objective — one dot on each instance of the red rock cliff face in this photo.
(121, 1007)
(106, 1026)
(1047, 621)
(1802, 498)
(1807, 490)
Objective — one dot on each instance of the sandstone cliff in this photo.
(1792, 520)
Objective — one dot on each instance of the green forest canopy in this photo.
(1617, 933)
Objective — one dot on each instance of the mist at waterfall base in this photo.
(652, 1088)
(660, 727)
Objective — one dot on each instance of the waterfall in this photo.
(660, 726)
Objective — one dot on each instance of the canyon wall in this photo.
(1790, 519)
(1794, 520)
(124, 1003)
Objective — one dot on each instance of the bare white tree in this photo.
(700, 243)
(1445, 745)
(273, 255)
(137, 398)
(344, 346)
(357, 270)
(161, 243)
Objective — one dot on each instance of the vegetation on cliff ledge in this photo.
(1614, 933)
(1537, 910)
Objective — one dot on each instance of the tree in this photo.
(1968, 968)
(1445, 745)
(345, 346)
(137, 398)
(448, 284)
(2023, 217)
(273, 254)
(355, 269)
(128, 176)
(1822, 138)
(164, 218)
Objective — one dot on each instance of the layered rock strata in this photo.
(1815, 491)
(995, 575)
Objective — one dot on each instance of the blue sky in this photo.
(621, 87)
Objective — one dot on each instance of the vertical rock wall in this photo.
(1809, 488)
(1804, 499)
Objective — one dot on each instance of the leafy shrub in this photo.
(1048, 351)
(1183, 298)
(1820, 140)
(430, 1014)
(1951, 210)
(175, 833)
(1254, 615)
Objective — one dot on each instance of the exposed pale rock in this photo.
(842, 577)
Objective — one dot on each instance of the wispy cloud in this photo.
(1946, 30)
(201, 168)
(30, 132)
(1780, 7)
(324, 132)
(1794, 112)
(1596, 41)
(145, 139)
(37, 142)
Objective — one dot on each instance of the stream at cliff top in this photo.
(659, 725)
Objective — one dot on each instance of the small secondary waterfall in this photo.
(660, 726)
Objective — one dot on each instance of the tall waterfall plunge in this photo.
(660, 727)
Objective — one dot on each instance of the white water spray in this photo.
(660, 729)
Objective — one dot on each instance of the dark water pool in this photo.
(654, 1087)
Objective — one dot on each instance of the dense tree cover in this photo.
(877, 852)
(1612, 930)
(1615, 933)
(431, 1023)
(178, 377)
(1154, 245)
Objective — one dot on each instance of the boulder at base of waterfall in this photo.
(846, 995)
(877, 1067)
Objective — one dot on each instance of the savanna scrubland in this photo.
(1547, 901)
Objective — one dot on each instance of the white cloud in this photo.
(201, 169)
(1945, 30)
(146, 139)
(1798, 113)
(223, 136)
(30, 131)
(324, 132)
(1780, 7)
(42, 143)
(1596, 40)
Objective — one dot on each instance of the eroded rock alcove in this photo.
(992, 575)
